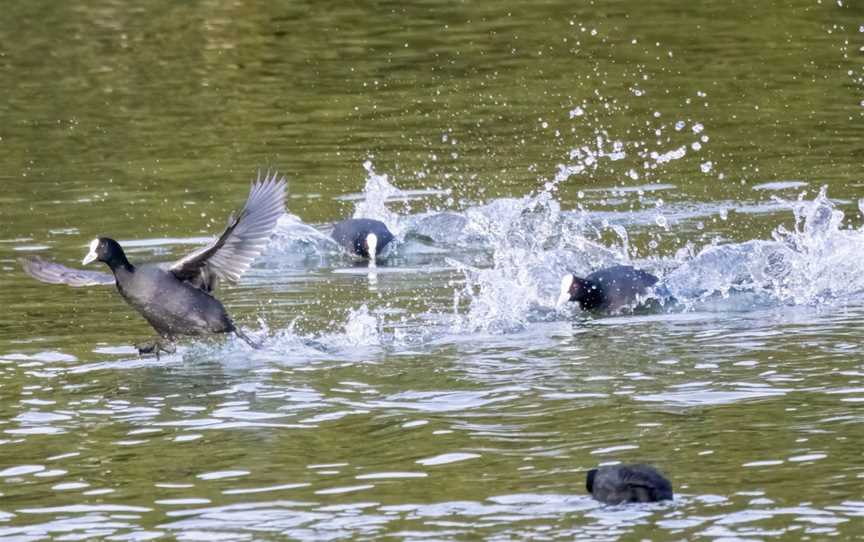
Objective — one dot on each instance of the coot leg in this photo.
(167, 346)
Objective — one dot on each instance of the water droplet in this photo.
(706, 166)
(577, 112)
(680, 125)
(661, 221)
(696, 145)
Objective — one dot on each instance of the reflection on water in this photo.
(359, 441)
(442, 396)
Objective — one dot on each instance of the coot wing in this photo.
(643, 278)
(242, 241)
(624, 274)
(55, 273)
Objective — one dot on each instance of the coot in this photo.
(175, 298)
(608, 289)
(628, 483)
(363, 237)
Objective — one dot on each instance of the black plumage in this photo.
(628, 483)
(175, 298)
(608, 289)
(354, 236)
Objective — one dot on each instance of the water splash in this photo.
(823, 258)
(533, 245)
(377, 191)
(362, 328)
(817, 261)
(295, 243)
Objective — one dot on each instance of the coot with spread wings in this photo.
(176, 297)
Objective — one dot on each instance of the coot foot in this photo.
(155, 346)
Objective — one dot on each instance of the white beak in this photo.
(91, 256)
(562, 300)
(372, 246)
(564, 296)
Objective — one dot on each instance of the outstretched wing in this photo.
(243, 240)
(55, 273)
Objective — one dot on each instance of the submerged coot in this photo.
(175, 297)
(362, 237)
(628, 483)
(607, 289)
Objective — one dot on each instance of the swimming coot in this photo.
(628, 483)
(175, 298)
(608, 289)
(363, 237)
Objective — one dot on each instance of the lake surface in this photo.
(443, 397)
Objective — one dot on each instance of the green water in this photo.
(373, 411)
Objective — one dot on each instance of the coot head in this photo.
(610, 289)
(363, 237)
(583, 291)
(106, 250)
(589, 480)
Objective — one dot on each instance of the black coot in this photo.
(175, 297)
(628, 483)
(363, 237)
(608, 289)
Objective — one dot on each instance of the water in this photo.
(442, 396)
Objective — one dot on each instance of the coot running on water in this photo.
(175, 298)
(628, 483)
(608, 289)
(363, 237)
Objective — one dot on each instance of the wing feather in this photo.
(55, 273)
(243, 240)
